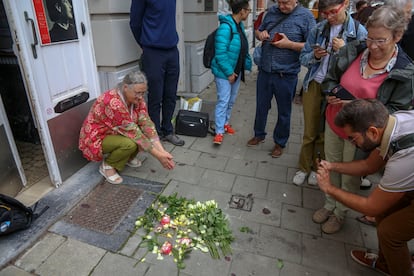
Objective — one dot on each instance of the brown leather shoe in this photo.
(277, 151)
(255, 141)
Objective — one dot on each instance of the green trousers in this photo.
(313, 137)
(118, 150)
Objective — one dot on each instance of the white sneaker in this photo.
(312, 179)
(365, 184)
(299, 178)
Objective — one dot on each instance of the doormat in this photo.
(112, 241)
(104, 207)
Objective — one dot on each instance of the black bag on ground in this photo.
(15, 216)
(192, 123)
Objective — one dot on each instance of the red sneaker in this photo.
(218, 139)
(369, 260)
(228, 129)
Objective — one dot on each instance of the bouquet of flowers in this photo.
(176, 226)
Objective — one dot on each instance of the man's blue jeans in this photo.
(283, 87)
(226, 96)
(162, 68)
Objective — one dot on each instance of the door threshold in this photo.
(35, 192)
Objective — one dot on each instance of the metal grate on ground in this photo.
(104, 207)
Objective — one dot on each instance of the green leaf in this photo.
(280, 263)
(245, 229)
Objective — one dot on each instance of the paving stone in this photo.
(241, 167)
(206, 145)
(188, 174)
(131, 245)
(290, 269)
(271, 172)
(279, 243)
(185, 155)
(114, 264)
(246, 240)
(286, 193)
(212, 161)
(189, 191)
(299, 219)
(369, 237)
(162, 267)
(313, 198)
(287, 159)
(258, 214)
(71, 258)
(248, 185)
(246, 264)
(14, 271)
(38, 254)
(202, 264)
(350, 233)
(217, 180)
(325, 255)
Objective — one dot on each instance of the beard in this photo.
(368, 145)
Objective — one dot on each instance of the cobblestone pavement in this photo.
(283, 242)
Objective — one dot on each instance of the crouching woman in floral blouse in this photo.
(118, 127)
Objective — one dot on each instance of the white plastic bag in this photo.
(193, 104)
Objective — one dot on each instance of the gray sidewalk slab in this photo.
(284, 242)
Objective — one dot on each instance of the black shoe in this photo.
(174, 139)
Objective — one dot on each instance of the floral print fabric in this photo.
(109, 115)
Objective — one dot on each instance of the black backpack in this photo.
(14, 215)
(210, 49)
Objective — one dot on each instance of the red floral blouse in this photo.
(109, 115)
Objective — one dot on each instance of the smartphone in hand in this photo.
(317, 46)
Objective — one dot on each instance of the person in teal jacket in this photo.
(231, 60)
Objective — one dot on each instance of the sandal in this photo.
(113, 179)
(364, 220)
(134, 163)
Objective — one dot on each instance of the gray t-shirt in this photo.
(399, 170)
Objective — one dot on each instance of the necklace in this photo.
(375, 68)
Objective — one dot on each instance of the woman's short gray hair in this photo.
(388, 17)
(134, 77)
(397, 3)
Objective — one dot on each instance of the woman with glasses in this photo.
(231, 60)
(375, 68)
(118, 127)
(325, 39)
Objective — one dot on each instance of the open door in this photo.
(12, 174)
(59, 74)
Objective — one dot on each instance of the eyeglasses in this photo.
(138, 93)
(333, 12)
(247, 9)
(378, 42)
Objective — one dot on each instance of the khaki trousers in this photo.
(118, 150)
(339, 150)
(313, 138)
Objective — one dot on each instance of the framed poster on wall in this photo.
(55, 20)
